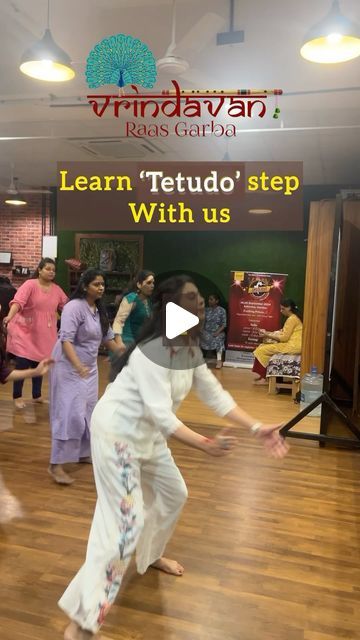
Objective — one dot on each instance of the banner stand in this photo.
(242, 359)
(254, 304)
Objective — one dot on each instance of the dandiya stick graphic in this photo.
(222, 92)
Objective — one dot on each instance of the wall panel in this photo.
(317, 283)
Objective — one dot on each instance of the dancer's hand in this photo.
(221, 445)
(273, 442)
(120, 350)
(121, 347)
(83, 371)
(43, 367)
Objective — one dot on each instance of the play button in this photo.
(178, 321)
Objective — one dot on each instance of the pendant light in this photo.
(15, 200)
(334, 39)
(45, 60)
(226, 156)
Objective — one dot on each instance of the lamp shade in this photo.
(15, 200)
(45, 60)
(334, 39)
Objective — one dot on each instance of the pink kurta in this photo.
(32, 332)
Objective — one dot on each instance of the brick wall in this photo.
(21, 233)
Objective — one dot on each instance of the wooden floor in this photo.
(271, 549)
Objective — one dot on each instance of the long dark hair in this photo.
(289, 303)
(2, 345)
(80, 292)
(168, 291)
(41, 265)
(4, 280)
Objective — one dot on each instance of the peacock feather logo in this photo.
(121, 60)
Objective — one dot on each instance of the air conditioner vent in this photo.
(118, 148)
(350, 194)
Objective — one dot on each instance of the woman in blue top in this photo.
(134, 310)
(212, 337)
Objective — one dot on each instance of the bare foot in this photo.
(59, 475)
(169, 566)
(219, 364)
(40, 401)
(75, 632)
(19, 403)
(262, 382)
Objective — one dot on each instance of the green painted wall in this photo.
(214, 255)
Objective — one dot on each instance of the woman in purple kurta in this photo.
(74, 378)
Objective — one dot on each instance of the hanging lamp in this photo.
(334, 39)
(45, 60)
(16, 200)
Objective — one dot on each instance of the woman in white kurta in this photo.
(140, 489)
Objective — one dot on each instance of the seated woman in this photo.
(287, 340)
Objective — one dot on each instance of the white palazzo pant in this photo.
(138, 504)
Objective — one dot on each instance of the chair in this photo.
(287, 366)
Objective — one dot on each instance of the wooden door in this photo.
(317, 283)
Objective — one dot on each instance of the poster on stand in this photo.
(254, 303)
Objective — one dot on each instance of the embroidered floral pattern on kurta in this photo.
(127, 528)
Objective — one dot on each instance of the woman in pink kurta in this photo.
(32, 324)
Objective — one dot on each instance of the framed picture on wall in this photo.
(119, 256)
(5, 257)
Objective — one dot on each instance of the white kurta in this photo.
(140, 489)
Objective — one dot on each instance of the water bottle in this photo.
(311, 388)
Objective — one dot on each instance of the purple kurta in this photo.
(72, 398)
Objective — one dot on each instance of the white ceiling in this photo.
(321, 127)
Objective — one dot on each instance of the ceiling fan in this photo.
(14, 190)
(174, 64)
(199, 36)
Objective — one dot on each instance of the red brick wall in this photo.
(21, 233)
